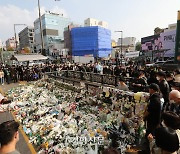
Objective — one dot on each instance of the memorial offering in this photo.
(60, 118)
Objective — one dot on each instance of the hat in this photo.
(154, 86)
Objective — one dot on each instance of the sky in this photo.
(136, 18)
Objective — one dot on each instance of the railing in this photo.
(89, 77)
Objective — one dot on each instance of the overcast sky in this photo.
(136, 18)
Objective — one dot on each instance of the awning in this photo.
(31, 57)
(51, 58)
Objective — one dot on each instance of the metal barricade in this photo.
(77, 76)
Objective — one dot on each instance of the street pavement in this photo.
(22, 146)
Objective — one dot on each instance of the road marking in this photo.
(30, 146)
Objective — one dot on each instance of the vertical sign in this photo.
(177, 47)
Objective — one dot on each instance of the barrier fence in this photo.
(77, 76)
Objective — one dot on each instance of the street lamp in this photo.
(121, 42)
(15, 33)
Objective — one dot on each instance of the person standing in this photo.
(122, 85)
(152, 78)
(7, 74)
(9, 137)
(21, 73)
(140, 83)
(152, 114)
(1, 76)
(13, 71)
(164, 88)
(170, 79)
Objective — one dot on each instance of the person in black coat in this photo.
(152, 78)
(140, 83)
(152, 114)
(164, 88)
(170, 80)
(21, 72)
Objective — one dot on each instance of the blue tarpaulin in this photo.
(93, 40)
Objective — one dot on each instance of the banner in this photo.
(132, 54)
(168, 40)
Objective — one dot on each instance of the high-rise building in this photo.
(53, 25)
(94, 22)
(26, 38)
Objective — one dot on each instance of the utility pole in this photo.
(41, 31)
(15, 37)
(121, 43)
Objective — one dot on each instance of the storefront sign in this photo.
(132, 54)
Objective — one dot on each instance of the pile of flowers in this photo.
(61, 118)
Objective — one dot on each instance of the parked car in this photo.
(159, 63)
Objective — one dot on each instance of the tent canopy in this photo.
(31, 57)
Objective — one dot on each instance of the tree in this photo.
(10, 49)
(26, 50)
(138, 46)
(158, 30)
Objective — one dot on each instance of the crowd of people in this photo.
(9, 74)
(162, 115)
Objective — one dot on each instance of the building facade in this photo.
(94, 22)
(53, 25)
(11, 43)
(68, 38)
(128, 44)
(171, 27)
(161, 45)
(93, 41)
(103, 24)
(26, 38)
